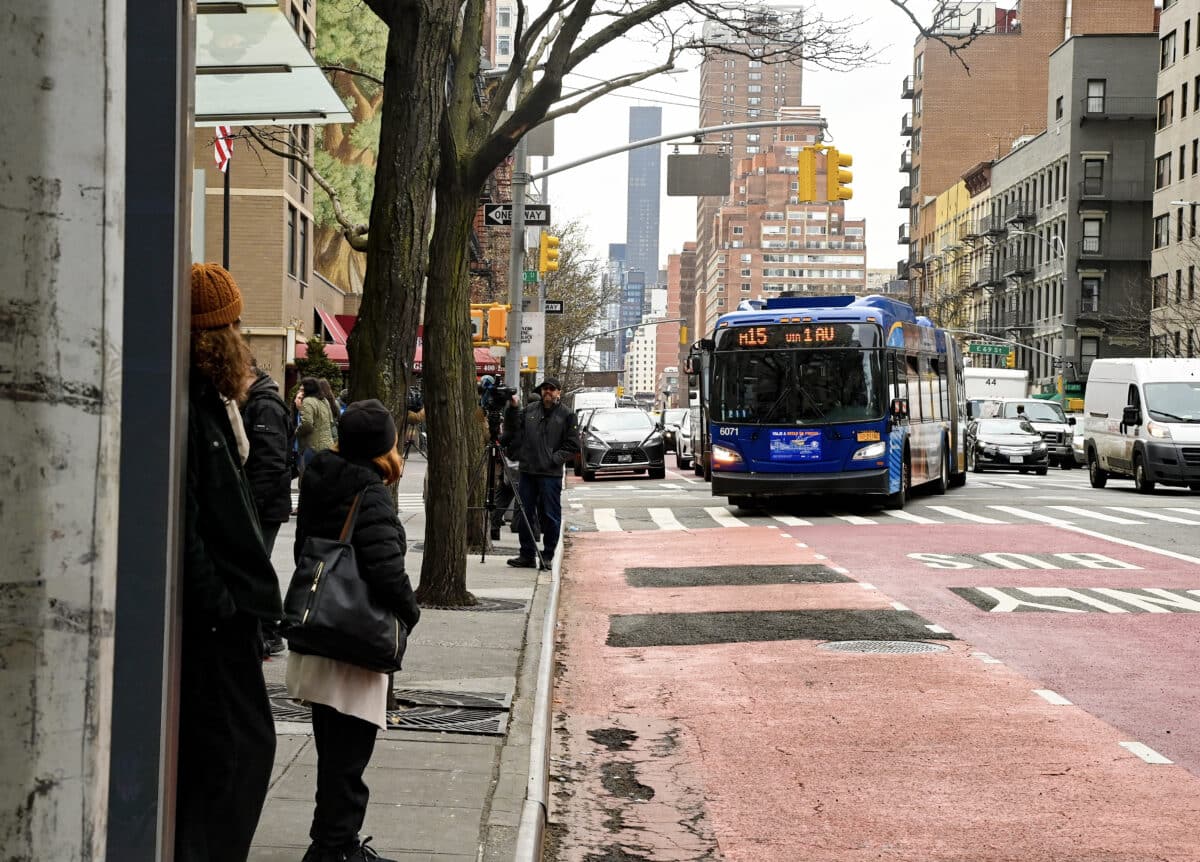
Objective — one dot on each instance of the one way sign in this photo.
(501, 214)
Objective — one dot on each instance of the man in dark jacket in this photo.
(226, 732)
(547, 439)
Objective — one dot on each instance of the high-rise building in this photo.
(738, 86)
(642, 209)
(614, 288)
(1175, 310)
(971, 107)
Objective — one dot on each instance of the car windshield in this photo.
(1035, 411)
(1174, 402)
(676, 417)
(1001, 427)
(620, 420)
(795, 387)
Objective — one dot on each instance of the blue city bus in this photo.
(832, 395)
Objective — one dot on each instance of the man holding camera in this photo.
(546, 439)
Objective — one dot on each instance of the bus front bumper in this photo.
(797, 484)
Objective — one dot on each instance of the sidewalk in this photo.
(437, 795)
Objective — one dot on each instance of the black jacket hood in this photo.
(264, 387)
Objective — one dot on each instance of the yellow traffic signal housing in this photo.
(477, 331)
(497, 323)
(548, 253)
(620, 391)
(837, 181)
(807, 177)
(1010, 361)
(683, 339)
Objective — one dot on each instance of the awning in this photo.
(333, 326)
(485, 363)
(253, 70)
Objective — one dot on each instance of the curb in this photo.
(535, 812)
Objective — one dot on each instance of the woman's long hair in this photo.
(223, 356)
(391, 465)
(327, 393)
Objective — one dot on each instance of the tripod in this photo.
(493, 455)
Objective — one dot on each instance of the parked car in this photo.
(673, 420)
(582, 415)
(1047, 418)
(683, 443)
(1005, 444)
(1142, 421)
(622, 439)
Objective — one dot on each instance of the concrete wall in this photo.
(61, 269)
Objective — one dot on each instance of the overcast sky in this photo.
(863, 108)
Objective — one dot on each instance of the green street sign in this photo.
(531, 276)
(988, 349)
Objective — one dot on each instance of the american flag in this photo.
(223, 147)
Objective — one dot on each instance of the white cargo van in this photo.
(1141, 420)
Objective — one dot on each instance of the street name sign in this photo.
(554, 306)
(531, 276)
(988, 349)
(501, 214)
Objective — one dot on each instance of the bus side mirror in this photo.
(899, 407)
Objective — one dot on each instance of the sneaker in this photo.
(547, 564)
(362, 852)
(366, 854)
(522, 563)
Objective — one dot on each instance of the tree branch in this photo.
(588, 95)
(355, 234)
(350, 71)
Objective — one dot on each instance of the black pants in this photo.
(226, 742)
(270, 531)
(344, 746)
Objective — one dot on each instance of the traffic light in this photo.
(837, 181)
(1010, 361)
(477, 332)
(683, 333)
(497, 323)
(548, 253)
(620, 391)
(807, 180)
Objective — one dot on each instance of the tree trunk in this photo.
(384, 338)
(455, 441)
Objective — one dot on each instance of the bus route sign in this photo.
(988, 349)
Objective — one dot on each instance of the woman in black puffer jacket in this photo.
(349, 702)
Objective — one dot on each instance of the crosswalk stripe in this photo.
(976, 483)
(966, 516)
(1032, 516)
(670, 485)
(1015, 485)
(909, 516)
(1183, 511)
(1154, 514)
(665, 519)
(1099, 516)
(855, 519)
(721, 515)
(792, 521)
(606, 520)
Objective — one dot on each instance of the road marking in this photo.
(840, 570)
(1155, 515)
(1099, 516)
(576, 505)
(721, 515)
(1145, 752)
(915, 519)
(1051, 697)
(866, 586)
(937, 630)
(792, 521)
(606, 521)
(670, 485)
(820, 557)
(855, 519)
(966, 516)
(1032, 516)
(1182, 511)
(1016, 485)
(900, 606)
(986, 659)
(1129, 543)
(692, 481)
(975, 483)
(665, 519)
(801, 545)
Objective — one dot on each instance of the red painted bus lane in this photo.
(783, 750)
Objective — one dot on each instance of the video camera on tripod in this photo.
(494, 398)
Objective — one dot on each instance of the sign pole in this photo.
(516, 260)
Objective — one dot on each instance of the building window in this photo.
(1179, 225)
(1162, 171)
(1162, 231)
(1158, 291)
(304, 249)
(1166, 110)
(1058, 108)
(503, 45)
(1096, 88)
(1166, 51)
(1089, 351)
(504, 18)
(1191, 281)
(745, 287)
(1093, 176)
(291, 240)
(919, 66)
(1091, 235)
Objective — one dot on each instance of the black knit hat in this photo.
(366, 430)
(548, 383)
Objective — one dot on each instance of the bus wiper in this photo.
(775, 406)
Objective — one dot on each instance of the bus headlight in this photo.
(870, 452)
(1162, 432)
(723, 456)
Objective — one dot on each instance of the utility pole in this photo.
(516, 259)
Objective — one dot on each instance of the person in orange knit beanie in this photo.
(226, 733)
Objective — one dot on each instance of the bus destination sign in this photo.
(780, 336)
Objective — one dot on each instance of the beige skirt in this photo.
(349, 689)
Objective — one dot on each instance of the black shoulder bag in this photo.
(329, 611)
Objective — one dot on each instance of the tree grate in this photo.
(888, 647)
(483, 603)
(476, 713)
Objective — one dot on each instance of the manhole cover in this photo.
(892, 647)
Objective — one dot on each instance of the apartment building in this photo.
(971, 107)
(641, 376)
(1175, 310)
(1069, 228)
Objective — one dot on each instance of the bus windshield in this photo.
(797, 387)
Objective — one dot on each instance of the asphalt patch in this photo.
(620, 779)
(647, 630)
(732, 576)
(613, 738)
